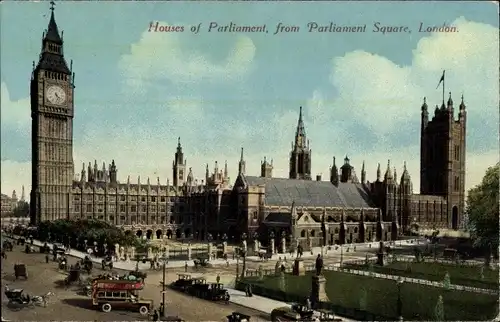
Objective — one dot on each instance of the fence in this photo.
(352, 313)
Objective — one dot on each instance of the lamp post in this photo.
(400, 303)
(271, 238)
(341, 254)
(237, 263)
(209, 245)
(256, 242)
(164, 261)
(244, 254)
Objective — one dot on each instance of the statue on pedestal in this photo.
(319, 265)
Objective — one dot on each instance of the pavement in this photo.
(258, 303)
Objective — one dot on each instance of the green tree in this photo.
(446, 281)
(22, 209)
(439, 309)
(483, 213)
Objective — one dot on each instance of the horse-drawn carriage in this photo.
(74, 276)
(7, 246)
(17, 300)
(265, 254)
(87, 264)
(20, 271)
(107, 262)
(200, 262)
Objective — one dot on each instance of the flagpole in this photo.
(443, 85)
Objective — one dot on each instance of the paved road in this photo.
(68, 305)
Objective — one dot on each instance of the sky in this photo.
(137, 91)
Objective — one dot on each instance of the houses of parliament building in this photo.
(312, 210)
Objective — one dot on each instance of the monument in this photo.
(381, 255)
(318, 292)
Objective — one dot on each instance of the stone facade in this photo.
(343, 209)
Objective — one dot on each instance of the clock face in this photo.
(56, 95)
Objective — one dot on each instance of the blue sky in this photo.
(137, 91)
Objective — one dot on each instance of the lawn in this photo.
(379, 296)
(459, 274)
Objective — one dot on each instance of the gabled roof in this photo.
(309, 193)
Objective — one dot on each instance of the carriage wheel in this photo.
(106, 307)
(144, 310)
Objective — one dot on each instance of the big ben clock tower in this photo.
(52, 130)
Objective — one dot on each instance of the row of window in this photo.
(123, 208)
(124, 198)
(54, 75)
(122, 220)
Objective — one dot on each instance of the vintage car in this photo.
(296, 312)
(183, 282)
(217, 292)
(17, 300)
(238, 317)
(20, 271)
(198, 287)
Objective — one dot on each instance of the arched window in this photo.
(355, 229)
(303, 233)
(313, 233)
(337, 230)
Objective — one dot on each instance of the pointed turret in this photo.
(388, 173)
(363, 173)
(300, 132)
(395, 175)
(83, 176)
(22, 193)
(405, 177)
(207, 174)
(450, 102)
(334, 173)
(190, 177)
(128, 181)
(52, 33)
(379, 173)
(225, 170)
(149, 183)
(241, 164)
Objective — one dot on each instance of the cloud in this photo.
(164, 56)
(369, 109)
(15, 114)
(386, 97)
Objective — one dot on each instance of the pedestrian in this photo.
(218, 278)
(46, 258)
(156, 316)
(308, 303)
(250, 294)
(162, 310)
(186, 267)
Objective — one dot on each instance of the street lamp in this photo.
(271, 237)
(209, 245)
(400, 303)
(244, 254)
(164, 261)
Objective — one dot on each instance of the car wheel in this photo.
(106, 307)
(143, 310)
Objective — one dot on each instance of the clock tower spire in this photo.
(51, 93)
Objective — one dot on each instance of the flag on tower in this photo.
(440, 80)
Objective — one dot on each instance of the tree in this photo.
(22, 209)
(446, 281)
(483, 212)
(439, 309)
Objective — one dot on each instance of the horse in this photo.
(42, 299)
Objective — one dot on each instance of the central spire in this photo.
(300, 133)
(52, 30)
